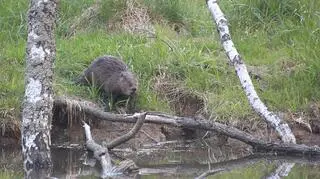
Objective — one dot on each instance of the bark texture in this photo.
(38, 98)
(279, 125)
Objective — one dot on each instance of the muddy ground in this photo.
(154, 135)
(67, 130)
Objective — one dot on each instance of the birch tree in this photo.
(279, 125)
(38, 98)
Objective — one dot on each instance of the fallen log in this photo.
(194, 123)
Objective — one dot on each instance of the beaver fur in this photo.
(111, 75)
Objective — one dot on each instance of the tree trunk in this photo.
(38, 98)
(279, 125)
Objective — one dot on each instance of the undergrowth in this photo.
(281, 36)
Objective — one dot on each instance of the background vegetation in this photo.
(280, 39)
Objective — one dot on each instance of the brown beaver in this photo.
(112, 76)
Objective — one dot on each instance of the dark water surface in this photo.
(169, 163)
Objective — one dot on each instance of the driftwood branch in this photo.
(140, 120)
(192, 123)
(100, 153)
(234, 57)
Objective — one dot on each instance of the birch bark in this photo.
(278, 124)
(38, 98)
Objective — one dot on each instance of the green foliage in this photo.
(282, 36)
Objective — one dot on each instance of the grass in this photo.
(282, 36)
(9, 174)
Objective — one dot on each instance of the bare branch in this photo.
(140, 120)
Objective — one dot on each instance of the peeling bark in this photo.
(38, 98)
(278, 124)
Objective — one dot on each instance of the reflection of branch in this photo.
(192, 123)
(191, 169)
(234, 57)
(140, 120)
(209, 172)
(281, 171)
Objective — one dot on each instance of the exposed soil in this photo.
(158, 136)
(67, 129)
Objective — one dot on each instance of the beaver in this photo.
(112, 76)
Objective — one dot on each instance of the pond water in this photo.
(170, 163)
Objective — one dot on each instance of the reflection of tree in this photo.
(281, 171)
(287, 162)
(67, 164)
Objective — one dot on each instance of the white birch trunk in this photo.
(222, 25)
(38, 98)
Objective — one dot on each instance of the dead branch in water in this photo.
(100, 153)
(192, 123)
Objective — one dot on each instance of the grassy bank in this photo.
(280, 39)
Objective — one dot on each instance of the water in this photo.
(169, 163)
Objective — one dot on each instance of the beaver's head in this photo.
(128, 83)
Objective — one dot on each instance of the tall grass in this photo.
(285, 36)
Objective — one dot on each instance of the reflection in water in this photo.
(72, 163)
(281, 171)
